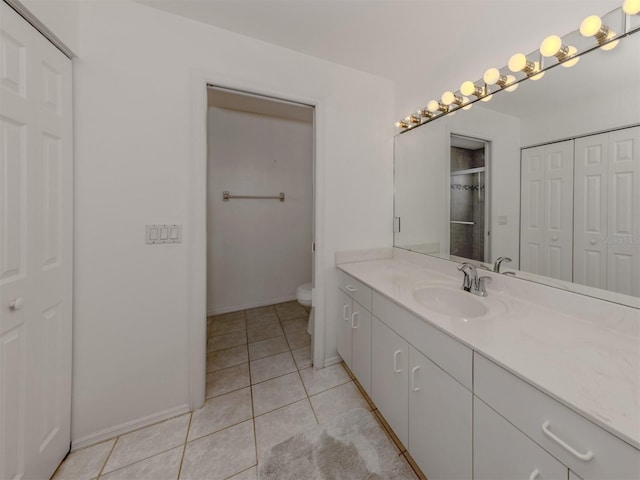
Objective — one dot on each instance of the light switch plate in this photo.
(163, 233)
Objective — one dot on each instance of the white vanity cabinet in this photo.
(354, 328)
(502, 452)
(427, 408)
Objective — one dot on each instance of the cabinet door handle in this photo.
(345, 315)
(352, 289)
(354, 315)
(582, 456)
(535, 474)
(554, 238)
(395, 361)
(413, 378)
(16, 304)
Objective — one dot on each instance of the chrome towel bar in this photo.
(226, 196)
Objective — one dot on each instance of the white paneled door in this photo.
(36, 195)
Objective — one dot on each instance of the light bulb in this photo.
(517, 62)
(468, 106)
(590, 26)
(610, 45)
(631, 7)
(571, 61)
(487, 98)
(448, 98)
(465, 102)
(432, 106)
(491, 76)
(510, 80)
(467, 88)
(551, 46)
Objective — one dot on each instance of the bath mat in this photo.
(351, 447)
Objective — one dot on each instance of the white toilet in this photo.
(303, 294)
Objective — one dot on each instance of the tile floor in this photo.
(261, 389)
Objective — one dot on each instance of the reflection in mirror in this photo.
(561, 181)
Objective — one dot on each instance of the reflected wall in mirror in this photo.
(575, 223)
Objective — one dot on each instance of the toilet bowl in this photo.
(303, 294)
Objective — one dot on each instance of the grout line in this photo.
(245, 470)
(108, 457)
(253, 415)
(184, 446)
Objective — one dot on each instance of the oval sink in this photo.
(450, 301)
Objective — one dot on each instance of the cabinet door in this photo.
(345, 310)
(389, 377)
(440, 421)
(502, 452)
(361, 346)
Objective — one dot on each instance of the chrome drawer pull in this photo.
(352, 289)
(582, 456)
(535, 474)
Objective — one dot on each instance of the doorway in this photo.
(469, 224)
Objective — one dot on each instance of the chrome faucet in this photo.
(499, 260)
(471, 283)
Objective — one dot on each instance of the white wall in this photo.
(427, 147)
(132, 117)
(59, 16)
(259, 251)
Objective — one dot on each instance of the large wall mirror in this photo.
(547, 175)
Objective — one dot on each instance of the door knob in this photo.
(16, 304)
(592, 242)
(554, 238)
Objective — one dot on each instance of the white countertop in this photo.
(589, 367)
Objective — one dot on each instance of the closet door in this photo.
(590, 210)
(546, 203)
(532, 210)
(36, 251)
(623, 239)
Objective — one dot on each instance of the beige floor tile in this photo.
(227, 380)
(164, 466)
(277, 393)
(148, 441)
(296, 325)
(271, 367)
(316, 381)
(227, 358)
(290, 310)
(226, 325)
(221, 412)
(266, 348)
(220, 455)
(330, 403)
(262, 319)
(227, 316)
(298, 340)
(229, 340)
(262, 332)
(277, 426)
(84, 464)
(250, 474)
(302, 357)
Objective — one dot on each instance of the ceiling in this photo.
(425, 46)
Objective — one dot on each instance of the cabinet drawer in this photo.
(502, 452)
(355, 289)
(449, 354)
(605, 457)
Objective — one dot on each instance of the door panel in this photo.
(36, 172)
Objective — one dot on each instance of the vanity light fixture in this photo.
(412, 119)
(520, 63)
(631, 7)
(402, 124)
(425, 113)
(592, 26)
(434, 106)
(494, 77)
(552, 46)
(449, 98)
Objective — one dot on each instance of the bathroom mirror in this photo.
(450, 203)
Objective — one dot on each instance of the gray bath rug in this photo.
(351, 447)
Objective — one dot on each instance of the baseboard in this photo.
(246, 306)
(127, 427)
(332, 361)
